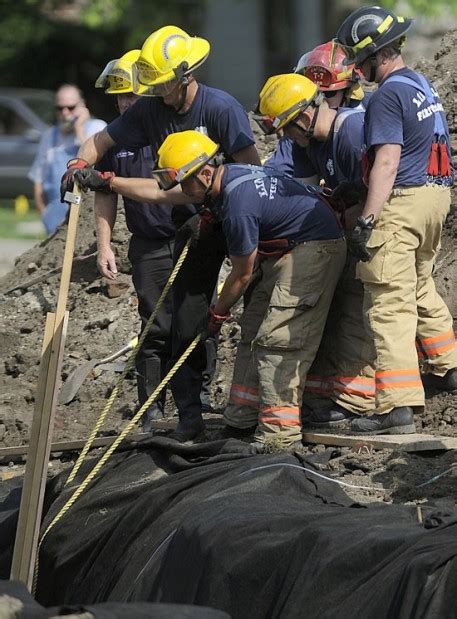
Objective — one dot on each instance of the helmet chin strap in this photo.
(183, 85)
(373, 67)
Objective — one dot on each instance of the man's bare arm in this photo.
(148, 190)
(38, 194)
(382, 178)
(105, 208)
(247, 155)
(236, 282)
(96, 146)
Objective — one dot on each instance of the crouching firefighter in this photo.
(285, 244)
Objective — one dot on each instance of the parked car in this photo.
(24, 115)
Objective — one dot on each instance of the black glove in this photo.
(197, 228)
(357, 239)
(348, 194)
(88, 178)
(67, 181)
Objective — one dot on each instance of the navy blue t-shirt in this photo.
(213, 112)
(264, 209)
(318, 157)
(399, 114)
(152, 221)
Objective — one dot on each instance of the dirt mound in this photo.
(103, 315)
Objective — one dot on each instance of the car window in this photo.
(10, 122)
(43, 108)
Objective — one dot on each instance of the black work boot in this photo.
(188, 428)
(148, 378)
(448, 382)
(400, 420)
(153, 413)
(335, 417)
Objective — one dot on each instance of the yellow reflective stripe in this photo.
(344, 74)
(385, 24)
(400, 20)
(381, 28)
(363, 43)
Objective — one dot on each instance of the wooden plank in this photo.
(8, 453)
(405, 442)
(30, 512)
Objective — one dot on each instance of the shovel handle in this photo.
(125, 349)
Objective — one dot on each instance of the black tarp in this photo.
(255, 536)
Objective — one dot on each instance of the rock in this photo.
(31, 268)
(2, 430)
(116, 287)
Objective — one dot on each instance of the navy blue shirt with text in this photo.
(399, 114)
(213, 112)
(264, 209)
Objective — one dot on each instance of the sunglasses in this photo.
(60, 108)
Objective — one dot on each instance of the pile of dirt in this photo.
(103, 318)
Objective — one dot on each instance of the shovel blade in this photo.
(74, 381)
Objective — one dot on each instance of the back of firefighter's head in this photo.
(166, 62)
(188, 158)
(289, 102)
(324, 66)
(371, 34)
(116, 79)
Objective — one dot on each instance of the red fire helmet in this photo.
(324, 66)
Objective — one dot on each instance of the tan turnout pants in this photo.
(281, 328)
(343, 371)
(400, 295)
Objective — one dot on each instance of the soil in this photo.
(103, 318)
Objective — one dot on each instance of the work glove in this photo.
(348, 194)
(68, 179)
(357, 239)
(88, 178)
(197, 228)
(215, 322)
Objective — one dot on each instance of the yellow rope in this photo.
(83, 485)
(128, 366)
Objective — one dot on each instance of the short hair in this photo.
(393, 50)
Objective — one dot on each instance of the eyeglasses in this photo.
(60, 108)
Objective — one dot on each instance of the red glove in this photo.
(66, 184)
(215, 321)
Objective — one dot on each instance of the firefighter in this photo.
(339, 84)
(409, 172)
(282, 237)
(172, 100)
(150, 248)
(329, 145)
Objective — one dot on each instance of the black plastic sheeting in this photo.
(28, 608)
(254, 536)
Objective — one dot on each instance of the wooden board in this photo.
(405, 442)
(9, 453)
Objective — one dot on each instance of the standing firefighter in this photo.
(287, 242)
(397, 237)
(173, 101)
(152, 241)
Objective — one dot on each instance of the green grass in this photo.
(9, 221)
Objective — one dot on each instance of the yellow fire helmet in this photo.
(181, 155)
(166, 57)
(282, 98)
(116, 77)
